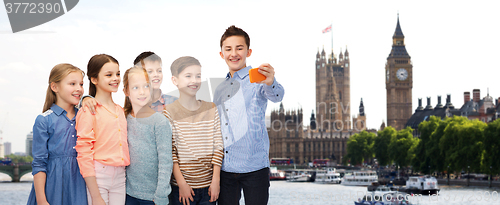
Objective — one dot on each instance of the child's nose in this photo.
(233, 52)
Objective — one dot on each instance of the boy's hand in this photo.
(91, 103)
(186, 194)
(213, 191)
(268, 71)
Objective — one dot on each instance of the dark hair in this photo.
(235, 31)
(183, 62)
(146, 56)
(57, 74)
(127, 107)
(94, 67)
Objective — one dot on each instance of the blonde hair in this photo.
(57, 74)
(127, 107)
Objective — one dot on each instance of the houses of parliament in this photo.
(326, 133)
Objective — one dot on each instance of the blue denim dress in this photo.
(54, 139)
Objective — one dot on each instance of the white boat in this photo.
(299, 176)
(276, 174)
(360, 178)
(327, 176)
(422, 185)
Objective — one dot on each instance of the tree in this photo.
(491, 148)
(360, 147)
(19, 159)
(381, 145)
(462, 143)
(400, 146)
(433, 153)
(420, 159)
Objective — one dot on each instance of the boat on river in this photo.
(360, 178)
(327, 176)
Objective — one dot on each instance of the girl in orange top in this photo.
(102, 138)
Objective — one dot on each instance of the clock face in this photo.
(402, 74)
(323, 65)
(346, 64)
(317, 66)
(388, 74)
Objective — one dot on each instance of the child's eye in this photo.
(159, 71)
(228, 49)
(188, 76)
(134, 88)
(81, 84)
(118, 74)
(146, 86)
(72, 84)
(150, 71)
(109, 75)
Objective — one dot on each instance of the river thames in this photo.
(299, 193)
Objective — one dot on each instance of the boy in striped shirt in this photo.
(197, 147)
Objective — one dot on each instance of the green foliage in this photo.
(19, 159)
(491, 148)
(360, 147)
(381, 146)
(433, 154)
(462, 143)
(400, 146)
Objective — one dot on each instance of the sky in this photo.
(453, 46)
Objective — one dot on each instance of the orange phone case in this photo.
(255, 76)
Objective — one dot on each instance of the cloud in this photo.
(4, 81)
(17, 66)
(24, 101)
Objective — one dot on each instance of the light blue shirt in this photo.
(242, 108)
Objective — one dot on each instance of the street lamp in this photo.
(468, 175)
(490, 177)
(448, 173)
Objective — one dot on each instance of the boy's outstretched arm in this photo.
(272, 90)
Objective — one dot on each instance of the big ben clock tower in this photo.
(398, 82)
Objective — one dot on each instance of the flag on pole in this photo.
(327, 29)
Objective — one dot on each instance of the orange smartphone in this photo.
(255, 76)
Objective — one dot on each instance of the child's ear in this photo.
(53, 87)
(249, 53)
(174, 80)
(221, 55)
(93, 80)
(125, 91)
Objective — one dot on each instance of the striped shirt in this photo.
(196, 142)
(242, 107)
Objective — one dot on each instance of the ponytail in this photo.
(50, 98)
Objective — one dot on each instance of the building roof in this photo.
(398, 51)
(398, 32)
(469, 108)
